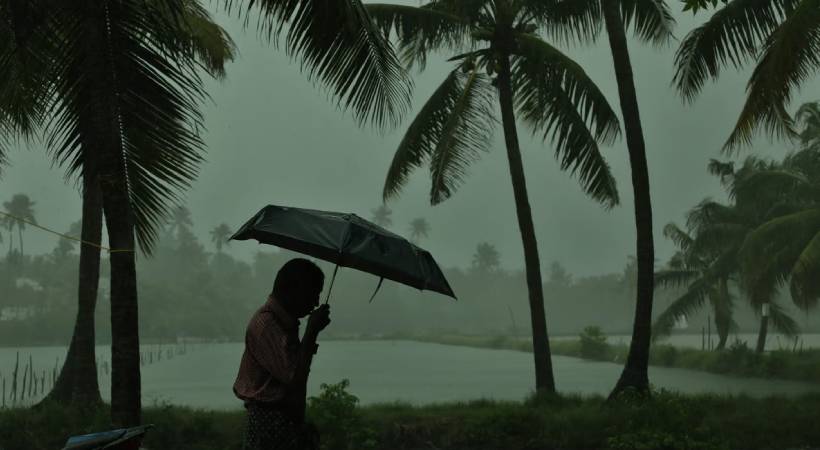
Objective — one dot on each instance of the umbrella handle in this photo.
(329, 289)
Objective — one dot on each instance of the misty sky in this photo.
(275, 138)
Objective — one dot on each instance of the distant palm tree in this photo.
(486, 258)
(419, 228)
(503, 64)
(220, 235)
(382, 216)
(21, 210)
(66, 246)
(180, 218)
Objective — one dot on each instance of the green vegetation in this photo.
(664, 422)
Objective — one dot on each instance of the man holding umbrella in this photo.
(273, 373)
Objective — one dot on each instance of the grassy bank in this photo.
(737, 359)
(667, 421)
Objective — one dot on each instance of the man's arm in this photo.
(317, 322)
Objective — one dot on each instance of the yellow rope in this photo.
(65, 236)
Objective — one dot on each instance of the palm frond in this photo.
(565, 20)
(789, 59)
(709, 212)
(805, 276)
(732, 36)
(141, 101)
(680, 237)
(465, 135)
(421, 30)
(339, 45)
(676, 278)
(199, 35)
(684, 306)
(652, 20)
(454, 125)
(556, 97)
(782, 322)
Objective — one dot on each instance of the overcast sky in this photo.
(274, 138)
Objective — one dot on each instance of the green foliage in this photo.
(593, 343)
(334, 412)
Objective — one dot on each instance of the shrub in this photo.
(593, 343)
(334, 412)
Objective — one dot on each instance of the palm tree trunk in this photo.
(635, 373)
(761, 335)
(723, 314)
(544, 381)
(77, 384)
(125, 367)
(117, 211)
(20, 233)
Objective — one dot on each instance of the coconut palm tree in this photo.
(220, 235)
(500, 57)
(486, 258)
(700, 273)
(778, 36)
(21, 211)
(652, 22)
(784, 250)
(125, 86)
(419, 228)
(180, 219)
(382, 216)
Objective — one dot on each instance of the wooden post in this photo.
(31, 379)
(14, 380)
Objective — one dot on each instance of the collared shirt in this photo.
(271, 349)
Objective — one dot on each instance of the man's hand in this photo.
(319, 319)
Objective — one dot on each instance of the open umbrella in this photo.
(346, 240)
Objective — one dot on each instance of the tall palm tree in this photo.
(486, 258)
(21, 211)
(220, 235)
(500, 57)
(778, 36)
(383, 216)
(125, 86)
(419, 228)
(652, 22)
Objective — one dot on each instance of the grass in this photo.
(737, 359)
(666, 421)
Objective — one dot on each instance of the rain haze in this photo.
(439, 330)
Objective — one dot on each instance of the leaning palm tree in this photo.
(779, 37)
(785, 249)
(500, 57)
(220, 235)
(20, 211)
(419, 228)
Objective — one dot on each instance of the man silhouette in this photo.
(273, 373)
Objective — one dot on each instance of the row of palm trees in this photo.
(766, 239)
(116, 85)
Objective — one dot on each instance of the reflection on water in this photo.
(384, 371)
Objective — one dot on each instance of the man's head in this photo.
(298, 286)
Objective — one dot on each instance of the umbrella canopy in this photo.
(346, 240)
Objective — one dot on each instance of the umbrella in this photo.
(346, 240)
